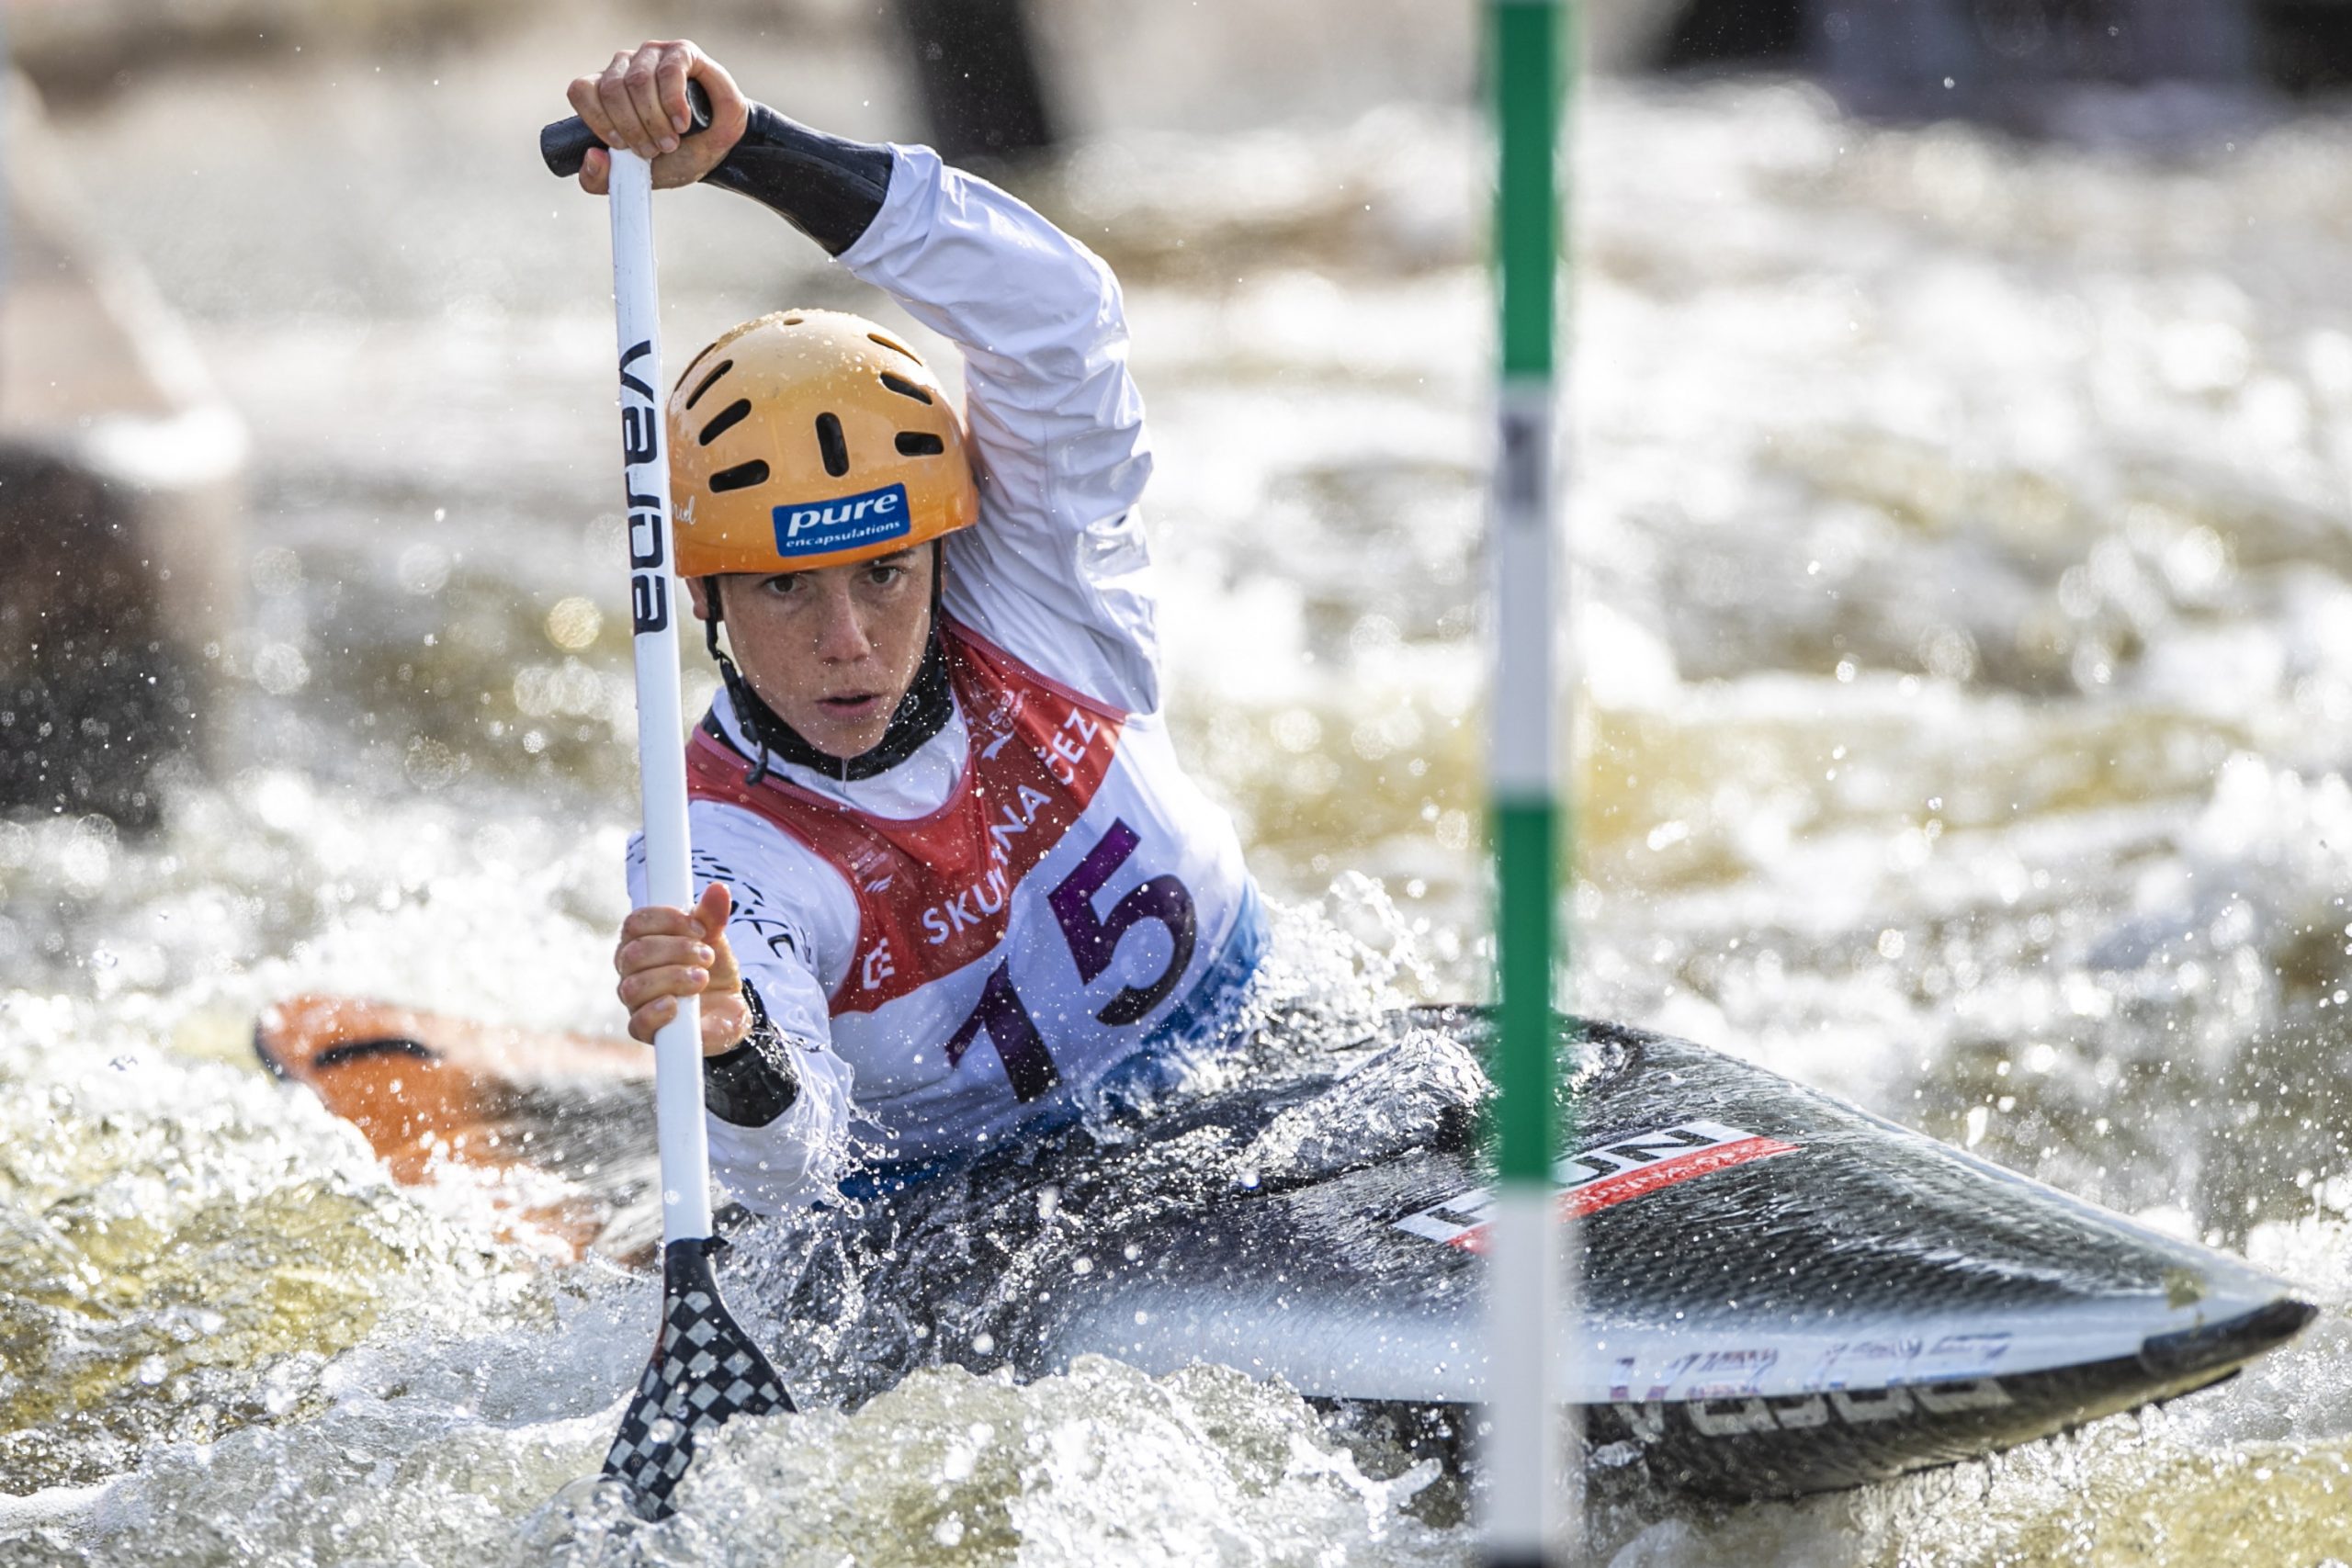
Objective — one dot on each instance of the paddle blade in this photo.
(704, 1371)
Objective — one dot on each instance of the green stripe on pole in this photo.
(1526, 1126)
(1528, 72)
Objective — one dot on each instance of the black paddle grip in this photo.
(565, 143)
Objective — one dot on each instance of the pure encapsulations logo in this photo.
(821, 527)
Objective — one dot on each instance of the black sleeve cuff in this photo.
(754, 1084)
(827, 188)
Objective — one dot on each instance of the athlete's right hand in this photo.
(640, 102)
(666, 953)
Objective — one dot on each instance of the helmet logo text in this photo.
(821, 527)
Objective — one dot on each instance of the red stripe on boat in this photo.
(1629, 1184)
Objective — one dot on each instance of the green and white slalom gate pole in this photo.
(1527, 66)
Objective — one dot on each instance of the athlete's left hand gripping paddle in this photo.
(705, 1368)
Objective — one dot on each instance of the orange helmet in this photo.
(812, 438)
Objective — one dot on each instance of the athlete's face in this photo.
(832, 650)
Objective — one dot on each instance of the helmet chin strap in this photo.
(739, 690)
(922, 712)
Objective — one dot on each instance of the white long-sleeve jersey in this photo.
(962, 945)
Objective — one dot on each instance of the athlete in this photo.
(955, 886)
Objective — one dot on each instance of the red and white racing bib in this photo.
(1030, 933)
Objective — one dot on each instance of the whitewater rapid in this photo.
(1962, 625)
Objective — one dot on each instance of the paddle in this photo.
(705, 1369)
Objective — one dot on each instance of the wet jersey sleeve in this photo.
(1056, 572)
(798, 1156)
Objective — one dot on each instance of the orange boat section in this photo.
(429, 1090)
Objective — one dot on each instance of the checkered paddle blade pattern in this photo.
(704, 1370)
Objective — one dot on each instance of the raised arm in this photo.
(1058, 570)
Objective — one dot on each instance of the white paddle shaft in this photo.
(655, 604)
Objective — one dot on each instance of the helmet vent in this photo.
(920, 444)
(742, 475)
(905, 388)
(832, 445)
(728, 417)
(704, 385)
(895, 346)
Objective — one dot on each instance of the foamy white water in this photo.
(1965, 578)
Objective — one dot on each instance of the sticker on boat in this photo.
(1607, 1174)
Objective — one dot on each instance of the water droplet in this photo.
(590, 1494)
(422, 569)
(277, 572)
(429, 763)
(152, 1370)
(573, 623)
(949, 1531)
(280, 669)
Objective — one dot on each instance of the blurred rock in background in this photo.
(119, 514)
(2032, 64)
(75, 46)
(983, 89)
(974, 61)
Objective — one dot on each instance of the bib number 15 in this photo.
(1093, 939)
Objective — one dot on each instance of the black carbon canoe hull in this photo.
(1780, 1294)
(1796, 1444)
